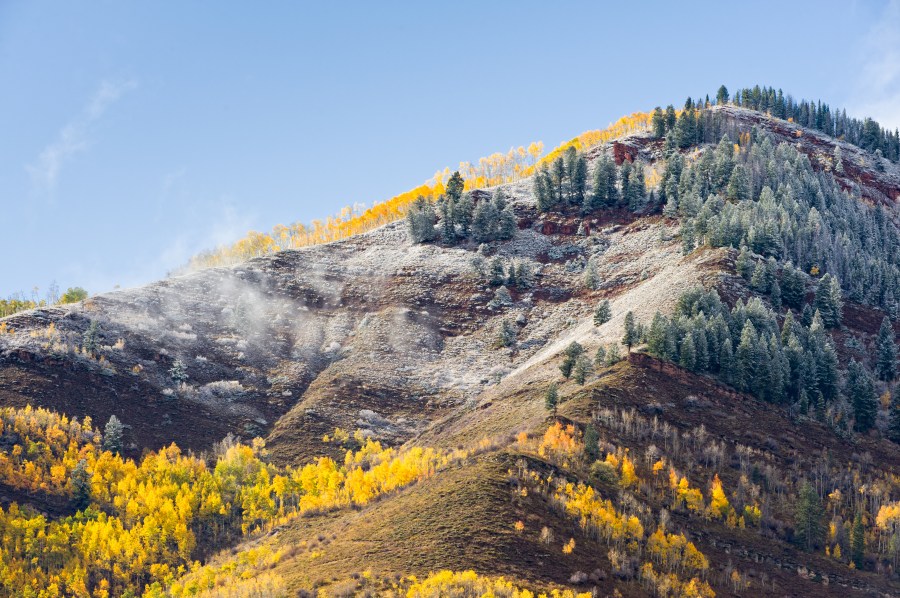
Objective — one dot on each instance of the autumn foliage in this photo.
(144, 519)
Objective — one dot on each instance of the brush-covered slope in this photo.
(673, 470)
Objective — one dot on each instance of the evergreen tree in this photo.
(448, 222)
(462, 215)
(603, 313)
(577, 172)
(631, 336)
(612, 354)
(886, 352)
(591, 443)
(543, 190)
(581, 369)
(670, 117)
(81, 486)
(455, 186)
(112, 435)
(746, 358)
(860, 390)
(893, 431)
(506, 335)
(739, 184)
(744, 264)
(775, 296)
(687, 357)
(551, 397)
(600, 356)
(722, 96)
(828, 301)
(420, 221)
(524, 275)
(506, 223)
(90, 340)
(858, 542)
(484, 221)
(838, 160)
(659, 123)
(793, 289)
(571, 355)
(178, 371)
(808, 518)
(657, 337)
(497, 273)
(604, 193)
(625, 181)
(637, 193)
(590, 276)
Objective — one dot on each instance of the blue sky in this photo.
(136, 134)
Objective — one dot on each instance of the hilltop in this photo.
(752, 261)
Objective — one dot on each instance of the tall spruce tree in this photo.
(808, 514)
(886, 352)
(112, 435)
(603, 313)
(860, 390)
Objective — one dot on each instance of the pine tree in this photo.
(448, 224)
(112, 435)
(858, 542)
(687, 357)
(739, 184)
(775, 296)
(657, 337)
(636, 188)
(484, 221)
(828, 301)
(551, 397)
(861, 392)
(793, 289)
(722, 95)
(178, 371)
(893, 430)
(659, 123)
(577, 172)
(808, 518)
(497, 273)
(420, 221)
(90, 340)
(886, 352)
(670, 117)
(838, 160)
(455, 186)
(603, 313)
(600, 356)
(582, 369)
(590, 276)
(506, 335)
(81, 486)
(462, 215)
(744, 264)
(631, 336)
(591, 443)
(625, 180)
(571, 355)
(524, 275)
(746, 357)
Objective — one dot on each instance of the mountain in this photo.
(742, 445)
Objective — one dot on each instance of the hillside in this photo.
(758, 258)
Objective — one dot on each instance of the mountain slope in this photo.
(399, 342)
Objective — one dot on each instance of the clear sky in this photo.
(134, 134)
